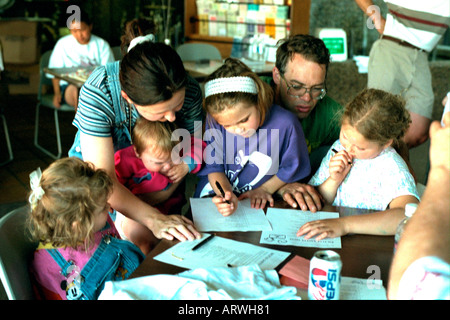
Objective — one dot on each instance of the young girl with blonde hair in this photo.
(253, 147)
(363, 170)
(79, 246)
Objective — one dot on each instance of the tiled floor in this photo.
(20, 114)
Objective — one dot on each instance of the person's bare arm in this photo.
(376, 223)
(100, 152)
(427, 233)
(373, 12)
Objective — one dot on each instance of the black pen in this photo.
(198, 245)
(335, 151)
(221, 191)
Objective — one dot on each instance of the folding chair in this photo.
(198, 51)
(46, 100)
(16, 253)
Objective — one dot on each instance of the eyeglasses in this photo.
(298, 91)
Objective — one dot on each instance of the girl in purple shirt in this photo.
(253, 147)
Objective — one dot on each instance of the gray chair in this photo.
(16, 253)
(46, 100)
(117, 52)
(198, 51)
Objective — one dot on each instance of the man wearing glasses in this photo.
(299, 83)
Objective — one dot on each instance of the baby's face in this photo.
(156, 161)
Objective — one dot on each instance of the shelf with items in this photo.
(219, 22)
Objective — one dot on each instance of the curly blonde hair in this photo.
(378, 115)
(74, 192)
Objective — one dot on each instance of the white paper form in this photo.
(221, 252)
(207, 218)
(285, 224)
(362, 289)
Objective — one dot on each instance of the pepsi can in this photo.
(325, 276)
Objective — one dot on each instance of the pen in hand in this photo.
(335, 151)
(200, 244)
(221, 191)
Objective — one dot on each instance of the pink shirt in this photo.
(46, 271)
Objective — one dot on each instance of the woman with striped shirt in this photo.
(151, 82)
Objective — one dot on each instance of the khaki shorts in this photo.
(403, 71)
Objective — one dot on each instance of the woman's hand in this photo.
(175, 226)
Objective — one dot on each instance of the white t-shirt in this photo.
(68, 52)
(421, 23)
(371, 183)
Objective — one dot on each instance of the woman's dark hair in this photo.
(149, 72)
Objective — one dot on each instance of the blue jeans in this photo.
(114, 260)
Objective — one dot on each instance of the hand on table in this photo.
(175, 227)
(321, 229)
(303, 195)
(258, 198)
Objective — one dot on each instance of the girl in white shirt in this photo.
(363, 170)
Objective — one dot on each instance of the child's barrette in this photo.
(36, 190)
(140, 39)
(230, 84)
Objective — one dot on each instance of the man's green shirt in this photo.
(322, 126)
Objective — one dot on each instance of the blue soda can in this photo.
(325, 276)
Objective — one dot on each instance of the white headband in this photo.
(231, 84)
(140, 39)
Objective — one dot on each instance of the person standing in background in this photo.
(398, 61)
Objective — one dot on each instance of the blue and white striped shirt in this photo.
(95, 113)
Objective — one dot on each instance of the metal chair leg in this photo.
(8, 142)
(58, 137)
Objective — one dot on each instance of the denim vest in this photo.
(113, 260)
(120, 132)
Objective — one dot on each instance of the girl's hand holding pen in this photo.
(226, 205)
(340, 165)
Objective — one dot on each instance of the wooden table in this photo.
(200, 70)
(74, 75)
(363, 256)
